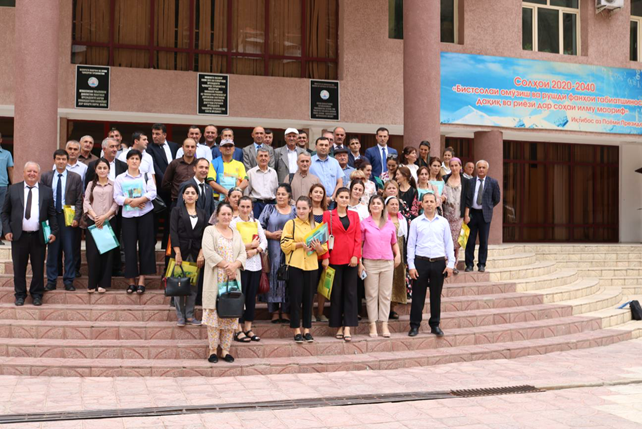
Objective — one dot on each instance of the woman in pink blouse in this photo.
(380, 256)
(99, 206)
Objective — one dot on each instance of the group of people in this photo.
(393, 224)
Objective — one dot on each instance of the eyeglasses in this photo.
(391, 156)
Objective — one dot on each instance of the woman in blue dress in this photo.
(272, 219)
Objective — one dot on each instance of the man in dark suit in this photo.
(227, 134)
(483, 196)
(249, 152)
(116, 167)
(355, 151)
(28, 204)
(163, 152)
(285, 158)
(378, 154)
(205, 200)
(67, 191)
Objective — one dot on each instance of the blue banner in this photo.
(519, 93)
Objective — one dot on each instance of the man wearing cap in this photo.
(286, 156)
(341, 155)
(225, 172)
(249, 152)
(228, 134)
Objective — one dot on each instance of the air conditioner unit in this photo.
(600, 5)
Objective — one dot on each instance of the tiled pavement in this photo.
(606, 403)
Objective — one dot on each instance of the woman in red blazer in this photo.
(344, 226)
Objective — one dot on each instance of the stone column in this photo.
(421, 72)
(36, 82)
(489, 146)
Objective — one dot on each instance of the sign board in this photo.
(92, 87)
(213, 94)
(324, 100)
(520, 93)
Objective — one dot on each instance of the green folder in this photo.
(104, 237)
(46, 231)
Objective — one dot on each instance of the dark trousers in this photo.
(99, 265)
(343, 308)
(431, 274)
(64, 243)
(477, 225)
(139, 230)
(250, 286)
(258, 206)
(28, 246)
(361, 294)
(301, 287)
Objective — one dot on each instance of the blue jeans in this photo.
(64, 243)
(3, 192)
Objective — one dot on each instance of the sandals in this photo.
(131, 289)
(140, 290)
(252, 337)
(339, 335)
(91, 290)
(101, 290)
(393, 315)
(245, 339)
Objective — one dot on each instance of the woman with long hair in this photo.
(99, 206)
(344, 256)
(364, 165)
(302, 259)
(424, 186)
(225, 255)
(399, 283)
(380, 256)
(255, 245)
(392, 163)
(319, 206)
(436, 179)
(449, 153)
(357, 188)
(455, 190)
(408, 159)
(273, 219)
(407, 193)
(187, 225)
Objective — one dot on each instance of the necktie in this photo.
(202, 186)
(28, 209)
(481, 192)
(59, 194)
(384, 162)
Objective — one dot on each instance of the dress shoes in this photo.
(468, 269)
(413, 332)
(20, 302)
(78, 275)
(37, 301)
(437, 331)
(482, 268)
(212, 359)
(70, 288)
(50, 287)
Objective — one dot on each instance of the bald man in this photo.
(249, 152)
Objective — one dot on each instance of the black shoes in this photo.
(298, 338)
(437, 331)
(228, 358)
(413, 332)
(78, 275)
(482, 268)
(37, 301)
(393, 315)
(308, 338)
(468, 269)
(50, 287)
(213, 358)
(70, 288)
(20, 302)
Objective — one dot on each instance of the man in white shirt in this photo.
(202, 150)
(140, 142)
(262, 182)
(73, 149)
(431, 258)
(286, 156)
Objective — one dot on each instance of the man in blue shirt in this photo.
(325, 168)
(6, 175)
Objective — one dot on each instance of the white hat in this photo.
(291, 131)
(225, 142)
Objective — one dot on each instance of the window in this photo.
(560, 192)
(636, 24)
(449, 20)
(550, 26)
(287, 38)
(7, 3)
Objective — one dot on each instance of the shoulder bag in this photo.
(159, 204)
(283, 273)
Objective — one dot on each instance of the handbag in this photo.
(283, 273)
(636, 310)
(264, 283)
(231, 303)
(177, 286)
(158, 203)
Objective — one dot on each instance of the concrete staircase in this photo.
(533, 299)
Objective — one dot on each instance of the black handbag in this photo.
(636, 310)
(177, 286)
(230, 304)
(283, 273)
(158, 203)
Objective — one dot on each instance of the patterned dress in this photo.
(223, 247)
(452, 211)
(399, 287)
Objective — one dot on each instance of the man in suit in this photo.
(163, 152)
(227, 134)
(355, 151)
(286, 156)
(378, 154)
(28, 204)
(482, 198)
(206, 201)
(249, 152)
(67, 190)
(339, 136)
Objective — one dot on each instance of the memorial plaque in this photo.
(92, 87)
(324, 100)
(213, 94)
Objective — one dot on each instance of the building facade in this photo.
(437, 70)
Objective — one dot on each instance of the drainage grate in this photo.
(494, 391)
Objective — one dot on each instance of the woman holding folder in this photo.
(255, 244)
(301, 257)
(186, 227)
(99, 206)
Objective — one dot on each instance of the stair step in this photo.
(578, 289)
(555, 279)
(6, 267)
(541, 268)
(78, 367)
(610, 272)
(605, 264)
